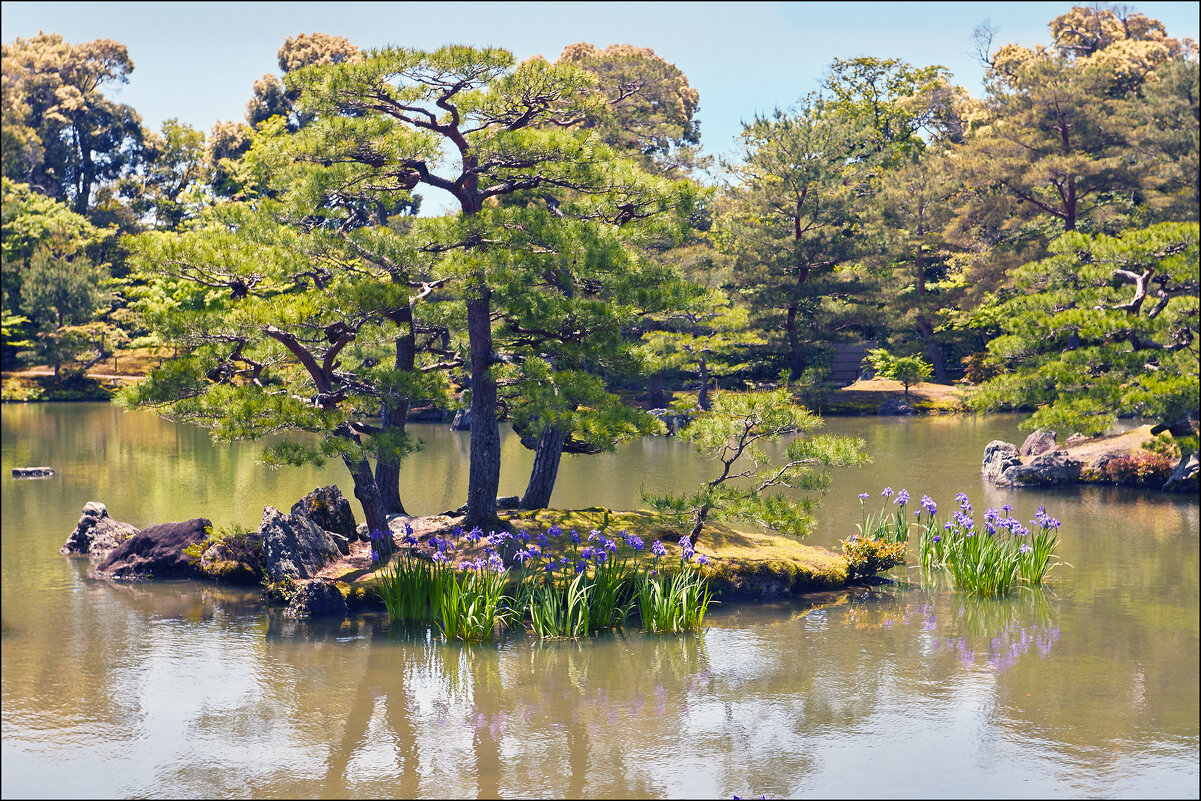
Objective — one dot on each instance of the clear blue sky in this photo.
(198, 61)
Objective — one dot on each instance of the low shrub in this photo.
(867, 556)
(1144, 469)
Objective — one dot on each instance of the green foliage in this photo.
(706, 335)
(672, 601)
(412, 587)
(471, 605)
(791, 222)
(1104, 326)
(734, 435)
(561, 610)
(906, 369)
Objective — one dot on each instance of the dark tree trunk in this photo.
(657, 399)
(702, 395)
(545, 470)
(933, 351)
(376, 515)
(393, 414)
(483, 477)
(794, 342)
(698, 522)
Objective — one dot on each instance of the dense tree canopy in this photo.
(62, 134)
(1045, 233)
(1104, 326)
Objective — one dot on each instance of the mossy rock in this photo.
(360, 597)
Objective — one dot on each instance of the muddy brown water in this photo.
(184, 689)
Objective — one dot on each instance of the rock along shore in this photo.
(318, 561)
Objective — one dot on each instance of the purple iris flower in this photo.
(658, 550)
(686, 547)
(902, 497)
(887, 493)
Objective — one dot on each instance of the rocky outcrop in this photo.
(1185, 477)
(235, 560)
(1038, 443)
(294, 546)
(895, 406)
(96, 534)
(999, 456)
(1049, 469)
(316, 599)
(157, 552)
(429, 414)
(328, 508)
(675, 422)
(461, 421)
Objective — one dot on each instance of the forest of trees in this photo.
(1040, 241)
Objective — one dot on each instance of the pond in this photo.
(1089, 688)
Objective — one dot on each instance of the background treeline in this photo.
(1040, 241)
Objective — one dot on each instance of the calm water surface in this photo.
(181, 689)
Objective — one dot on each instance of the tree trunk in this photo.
(933, 351)
(702, 395)
(794, 342)
(545, 469)
(394, 412)
(657, 399)
(698, 522)
(367, 492)
(483, 477)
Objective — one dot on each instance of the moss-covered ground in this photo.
(742, 564)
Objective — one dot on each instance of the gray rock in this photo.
(895, 406)
(1038, 443)
(96, 534)
(328, 508)
(294, 546)
(1185, 477)
(1049, 469)
(342, 543)
(429, 414)
(675, 422)
(461, 421)
(316, 599)
(1076, 439)
(508, 502)
(999, 456)
(157, 552)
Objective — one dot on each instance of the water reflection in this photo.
(1088, 687)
